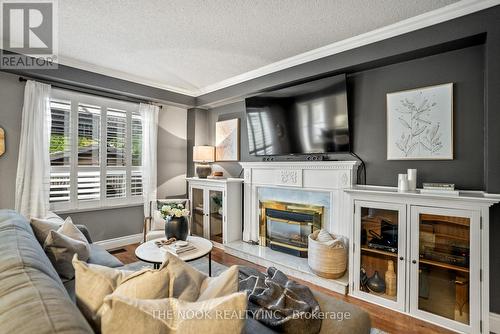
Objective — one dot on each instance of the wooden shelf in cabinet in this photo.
(377, 251)
(216, 215)
(444, 265)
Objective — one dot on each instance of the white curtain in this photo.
(149, 159)
(33, 166)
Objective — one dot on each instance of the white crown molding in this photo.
(120, 241)
(122, 75)
(455, 10)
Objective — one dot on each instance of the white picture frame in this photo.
(420, 123)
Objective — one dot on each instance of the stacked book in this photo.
(440, 189)
(179, 247)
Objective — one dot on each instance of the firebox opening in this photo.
(285, 227)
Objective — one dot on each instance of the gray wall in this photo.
(11, 101)
(105, 223)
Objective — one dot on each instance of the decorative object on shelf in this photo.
(402, 182)
(217, 199)
(227, 140)
(390, 279)
(218, 174)
(2, 142)
(387, 240)
(412, 179)
(176, 222)
(164, 242)
(363, 280)
(440, 189)
(327, 259)
(203, 156)
(376, 283)
(420, 124)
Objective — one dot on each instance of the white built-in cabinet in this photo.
(216, 206)
(437, 248)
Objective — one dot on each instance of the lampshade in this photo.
(203, 153)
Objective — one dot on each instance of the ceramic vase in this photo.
(177, 227)
(376, 283)
(390, 280)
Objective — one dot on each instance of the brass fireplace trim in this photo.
(316, 211)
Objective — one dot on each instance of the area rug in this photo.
(202, 265)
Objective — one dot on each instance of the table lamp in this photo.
(203, 156)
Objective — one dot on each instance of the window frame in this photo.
(74, 204)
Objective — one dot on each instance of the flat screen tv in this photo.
(309, 118)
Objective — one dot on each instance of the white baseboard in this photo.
(495, 323)
(120, 241)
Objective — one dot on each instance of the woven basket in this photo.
(325, 261)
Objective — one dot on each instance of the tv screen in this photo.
(302, 119)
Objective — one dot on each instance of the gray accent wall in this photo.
(11, 101)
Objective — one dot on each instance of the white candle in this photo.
(402, 182)
(412, 179)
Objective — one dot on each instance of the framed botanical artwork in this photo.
(227, 140)
(420, 124)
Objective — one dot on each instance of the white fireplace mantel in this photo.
(327, 176)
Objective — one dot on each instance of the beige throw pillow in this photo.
(220, 315)
(94, 282)
(42, 227)
(61, 245)
(222, 285)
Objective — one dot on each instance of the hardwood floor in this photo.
(382, 318)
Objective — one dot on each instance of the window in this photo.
(95, 152)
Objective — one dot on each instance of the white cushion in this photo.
(157, 223)
(151, 235)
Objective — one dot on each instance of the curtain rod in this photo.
(86, 90)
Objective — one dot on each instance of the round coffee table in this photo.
(149, 252)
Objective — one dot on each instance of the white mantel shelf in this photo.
(300, 164)
(478, 197)
(214, 180)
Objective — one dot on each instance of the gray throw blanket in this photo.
(279, 303)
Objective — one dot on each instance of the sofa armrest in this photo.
(85, 232)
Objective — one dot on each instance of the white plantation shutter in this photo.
(116, 184)
(60, 151)
(116, 129)
(95, 152)
(89, 185)
(136, 183)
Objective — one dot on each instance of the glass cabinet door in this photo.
(442, 264)
(198, 213)
(216, 215)
(379, 258)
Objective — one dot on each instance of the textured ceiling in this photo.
(191, 44)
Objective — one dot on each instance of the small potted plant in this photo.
(176, 222)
